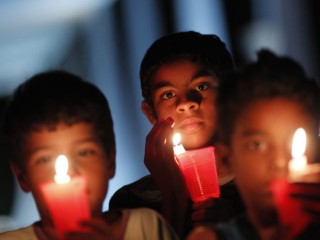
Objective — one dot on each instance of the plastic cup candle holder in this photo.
(199, 170)
(66, 199)
(290, 209)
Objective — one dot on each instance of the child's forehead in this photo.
(61, 131)
(274, 113)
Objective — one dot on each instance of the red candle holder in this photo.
(66, 199)
(199, 170)
(291, 216)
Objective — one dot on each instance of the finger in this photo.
(75, 235)
(158, 140)
(158, 134)
(208, 203)
(305, 190)
(314, 213)
(97, 225)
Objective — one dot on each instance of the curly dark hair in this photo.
(269, 77)
(206, 49)
(52, 97)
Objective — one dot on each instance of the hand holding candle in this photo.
(298, 163)
(66, 199)
(295, 197)
(299, 169)
(199, 170)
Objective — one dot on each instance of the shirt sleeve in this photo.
(145, 224)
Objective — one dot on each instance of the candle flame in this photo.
(62, 170)
(176, 139)
(177, 146)
(299, 143)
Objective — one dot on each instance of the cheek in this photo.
(164, 113)
(248, 172)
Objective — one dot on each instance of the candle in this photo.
(199, 170)
(291, 210)
(298, 163)
(299, 169)
(177, 146)
(66, 199)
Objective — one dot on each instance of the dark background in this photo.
(104, 41)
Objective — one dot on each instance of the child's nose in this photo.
(187, 106)
(190, 102)
(279, 164)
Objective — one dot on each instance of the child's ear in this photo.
(111, 165)
(148, 111)
(21, 177)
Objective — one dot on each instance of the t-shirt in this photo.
(145, 193)
(241, 228)
(143, 223)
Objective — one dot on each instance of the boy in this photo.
(179, 76)
(259, 109)
(56, 113)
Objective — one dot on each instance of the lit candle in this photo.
(62, 170)
(199, 170)
(177, 146)
(298, 163)
(66, 199)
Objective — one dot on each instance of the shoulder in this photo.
(145, 223)
(26, 233)
(142, 184)
(141, 193)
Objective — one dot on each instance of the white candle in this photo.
(298, 163)
(177, 146)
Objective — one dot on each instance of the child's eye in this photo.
(167, 95)
(257, 145)
(202, 86)
(86, 152)
(44, 159)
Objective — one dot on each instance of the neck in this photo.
(266, 224)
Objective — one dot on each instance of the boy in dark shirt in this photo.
(179, 77)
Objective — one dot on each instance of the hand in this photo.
(211, 211)
(298, 207)
(97, 229)
(161, 163)
(308, 196)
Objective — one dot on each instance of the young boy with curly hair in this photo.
(57, 113)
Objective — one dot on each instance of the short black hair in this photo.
(52, 97)
(206, 49)
(269, 77)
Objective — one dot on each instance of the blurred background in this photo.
(104, 41)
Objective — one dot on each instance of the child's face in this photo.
(260, 147)
(85, 154)
(186, 92)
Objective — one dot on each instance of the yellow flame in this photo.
(176, 139)
(62, 170)
(299, 143)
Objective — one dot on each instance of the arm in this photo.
(160, 161)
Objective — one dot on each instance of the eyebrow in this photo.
(249, 133)
(46, 147)
(199, 74)
(89, 139)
